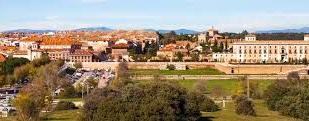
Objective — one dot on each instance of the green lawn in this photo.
(206, 71)
(67, 115)
(228, 86)
(228, 114)
(71, 99)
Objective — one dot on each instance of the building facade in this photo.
(266, 51)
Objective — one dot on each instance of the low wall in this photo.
(227, 68)
(212, 77)
(143, 65)
(257, 69)
(156, 65)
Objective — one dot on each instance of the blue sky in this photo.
(226, 15)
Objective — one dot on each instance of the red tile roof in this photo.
(2, 58)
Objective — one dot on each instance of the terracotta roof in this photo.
(2, 58)
(183, 43)
(7, 48)
(120, 46)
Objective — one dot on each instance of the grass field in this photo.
(228, 114)
(206, 71)
(228, 86)
(71, 99)
(67, 115)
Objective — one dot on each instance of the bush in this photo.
(244, 106)
(171, 67)
(289, 97)
(142, 102)
(69, 92)
(293, 76)
(208, 105)
(65, 105)
(78, 65)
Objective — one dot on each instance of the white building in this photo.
(266, 51)
(29, 54)
(98, 45)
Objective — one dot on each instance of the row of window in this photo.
(282, 47)
(271, 52)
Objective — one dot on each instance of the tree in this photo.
(221, 47)
(69, 92)
(78, 65)
(244, 33)
(294, 76)
(65, 105)
(171, 67)
(179, 56)
(122, 75)
(289, 97)
(7, 67)
(23, 72)
(244, 106)
(27, 108)
(200, 86)
(195, 56)
(38, 94)
(143, 102)
(41, 61)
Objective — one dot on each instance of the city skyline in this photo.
(226, 15)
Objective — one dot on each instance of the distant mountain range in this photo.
(46, 31)
(94, 29)
(301, 30)
(178, 31)
(30, 31)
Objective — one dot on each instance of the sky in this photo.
(200, 15)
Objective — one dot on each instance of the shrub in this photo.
(78, 65)
(293, 76)
(65, 105)
(69, 92)
(141, 102)
(244, 106)
(208, 105)
(289, 97)
(171, 67)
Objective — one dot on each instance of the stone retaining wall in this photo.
(212, 77)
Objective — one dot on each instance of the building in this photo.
(250, 37)
(212, 36)
(266, 51)
(120, 52)
(29, 54)
(170, 50)
(98, 45)
(81, 56)
(59, 54)
(202, 38)
(212, 32)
